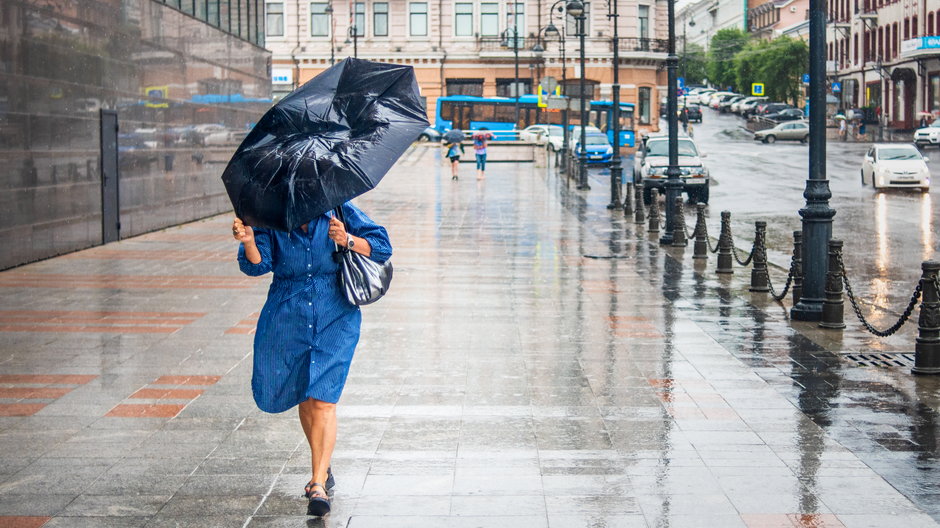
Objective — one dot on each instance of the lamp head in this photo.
(538, 49)
(329, 9)
(574, 8)
(551, 31)
(691, 23)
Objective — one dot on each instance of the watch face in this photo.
(351, 242)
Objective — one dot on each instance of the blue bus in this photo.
(498, 114)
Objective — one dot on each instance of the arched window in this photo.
(915, 29)
(929, 23)
(907, 28)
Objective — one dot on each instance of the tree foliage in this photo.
(724, 46)
(692, 64)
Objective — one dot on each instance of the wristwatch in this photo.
(349, 241)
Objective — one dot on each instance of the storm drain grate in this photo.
(882, 360)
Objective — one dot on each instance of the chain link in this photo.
(734, 250)
(858, 312)
(786, 287)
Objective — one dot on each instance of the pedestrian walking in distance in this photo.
(480, 139)
(454, 149)
(307, 331)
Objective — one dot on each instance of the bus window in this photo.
(484, 112)
(447, 111)
(592, 118)
(506, 113)
(626, 120)
(603, 120)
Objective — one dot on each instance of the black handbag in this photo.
(361, 279)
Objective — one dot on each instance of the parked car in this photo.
(697, 95)
(556, 138)
(718, 98)
(537, 134)
(787, 114)
(797, 130)
(725, 105)
(651, 169)
(746, 107)
(895, 165)
(695, 113)
(597, 147)
(769, 108)
(929, 135)
(430, 134)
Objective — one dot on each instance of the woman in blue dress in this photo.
(307, 331)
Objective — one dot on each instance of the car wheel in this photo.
(424, 137)
(925, 189)
(873, 181)
(862, 174)
(703, 194)
(770, 139)
(804, 139)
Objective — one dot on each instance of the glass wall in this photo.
(185, 93)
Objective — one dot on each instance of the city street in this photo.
(539, 362)
(887, 234)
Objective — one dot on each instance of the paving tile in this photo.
(136, 410)
(23, 522)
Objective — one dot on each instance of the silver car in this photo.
(794, 130)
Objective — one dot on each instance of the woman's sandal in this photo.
(330, 482)
(319, 504)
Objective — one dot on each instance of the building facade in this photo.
(474, 47)
(884, 58)
(769, 19)
(697, 23)
(117, 116)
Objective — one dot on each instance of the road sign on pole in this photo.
(549, 84)
(757, 88)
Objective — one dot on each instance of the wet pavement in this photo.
(539, 362)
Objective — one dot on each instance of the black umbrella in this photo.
(327, 142)
(453, 136)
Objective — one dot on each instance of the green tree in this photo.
(784, 61)
(748, 65)
(724, 46)
(692, 64)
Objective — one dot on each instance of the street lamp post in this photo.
(576, 9)
(615, 168)
(817, 215)
(673, 185)
(329, 11)
(353, 32)
(551, 31)
(514, 91)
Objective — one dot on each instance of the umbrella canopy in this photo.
(453, 135)
(327, 142)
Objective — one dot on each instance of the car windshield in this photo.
(556, 132)
(597, 140)
(898, 153)
(661, 148)
(935, 124)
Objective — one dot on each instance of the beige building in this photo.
(886, 57)
(467, 46)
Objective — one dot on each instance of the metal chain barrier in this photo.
(734, 251)
(786, 287)
(711, 249)
(858, 312)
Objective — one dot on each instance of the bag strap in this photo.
(338, 213)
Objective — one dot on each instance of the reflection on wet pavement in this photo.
(506, 380)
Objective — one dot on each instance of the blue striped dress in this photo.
(307, 331)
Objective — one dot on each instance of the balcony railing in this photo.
(643, 44)
(506, 43)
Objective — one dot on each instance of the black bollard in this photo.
(654, 211)
(760, 281)
(797, 266)
(725, 245)
(833, 309)
(628, 200)
(678, 231)
(700, 248)
(927, 349)
(639, 216)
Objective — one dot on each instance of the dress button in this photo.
(308, 265)
(309, 326)
(309, 304)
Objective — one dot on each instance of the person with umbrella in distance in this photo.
(480, 138)
(453, 145)
(329, 141)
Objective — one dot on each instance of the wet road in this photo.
(887, 234)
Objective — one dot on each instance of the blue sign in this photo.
(681, 81)
(836, 87)
(805, 78)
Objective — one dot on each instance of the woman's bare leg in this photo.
(318, 419)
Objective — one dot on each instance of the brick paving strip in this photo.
(95, 322)
(163, 410)
(26, 387)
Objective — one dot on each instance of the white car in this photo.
(895, 165)
(537, 134)
(929, 135)
(698, 95)
(556, 136)
(651, 167)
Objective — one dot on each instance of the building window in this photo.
(855, 49)
(907, 28)
(915, 32)
(463, 19)
(418, 19)
(504, 87)
(933, 92)
(929, 24)
(359, 20)
(519, 12)
(489, 19)
(571, 23)
(274, 16)
(644, 108)
(465, 87)
(380, 19)
(643, 22)
(319, 20)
